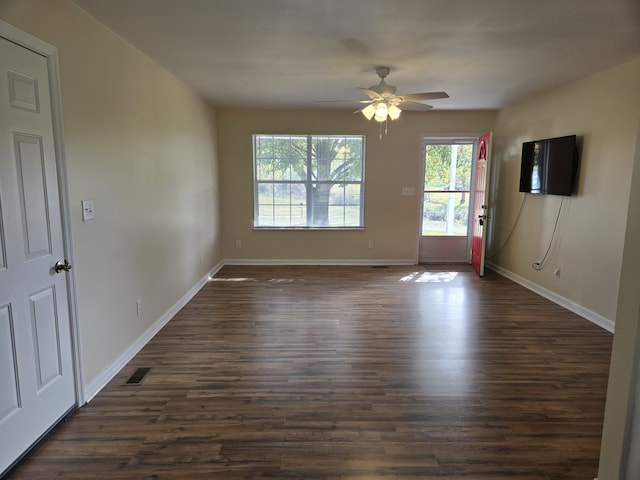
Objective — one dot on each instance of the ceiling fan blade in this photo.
(343, 101)
(420, 107)
(417, 97)
(369, 92)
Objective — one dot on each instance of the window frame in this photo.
(309, 182)
(453, 140)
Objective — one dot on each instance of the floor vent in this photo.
(138, 376)
(381, 266)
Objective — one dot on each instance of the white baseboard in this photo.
(590, 315)
(99, 382)
(294, 261)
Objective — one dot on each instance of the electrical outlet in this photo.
(139, 307)
(238, 244)
(370, 243)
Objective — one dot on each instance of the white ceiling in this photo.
(293, 53)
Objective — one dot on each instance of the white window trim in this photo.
(308, 181)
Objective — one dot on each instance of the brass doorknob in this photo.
(62, 266)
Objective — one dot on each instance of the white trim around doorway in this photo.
(426, 139)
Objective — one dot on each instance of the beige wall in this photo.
(391, 220)
(625, 358)
(603, 111)
(143, 147)
(599, 230)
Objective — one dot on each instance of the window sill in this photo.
(315, 229)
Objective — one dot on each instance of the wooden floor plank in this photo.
(349, 372)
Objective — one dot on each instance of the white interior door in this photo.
(37, 384)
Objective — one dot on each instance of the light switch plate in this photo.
(87, 210)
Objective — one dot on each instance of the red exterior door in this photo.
(480, 208)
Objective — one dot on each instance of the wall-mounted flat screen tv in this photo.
(549, 166)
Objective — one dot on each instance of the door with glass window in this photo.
(447, 200)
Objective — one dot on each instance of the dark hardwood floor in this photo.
(349, 373)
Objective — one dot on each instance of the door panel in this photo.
(3, 250)
(33, 199)
(9, 400)
(23, 92)
(480, 209)
(36, 370)
(45, 330)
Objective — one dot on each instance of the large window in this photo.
(447, 184)
(314, 181)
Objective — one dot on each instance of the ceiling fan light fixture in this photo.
(382, 111)
(394, 112)
(369, 111)
(383, 103)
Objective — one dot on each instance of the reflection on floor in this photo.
(304, 372)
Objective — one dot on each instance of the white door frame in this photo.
(51, 54)
(443, 139)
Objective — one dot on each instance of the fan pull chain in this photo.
(386, 123)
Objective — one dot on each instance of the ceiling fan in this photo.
(383, 103)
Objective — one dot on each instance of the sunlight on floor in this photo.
(432, 277)
(242, 279)
(216, 279)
